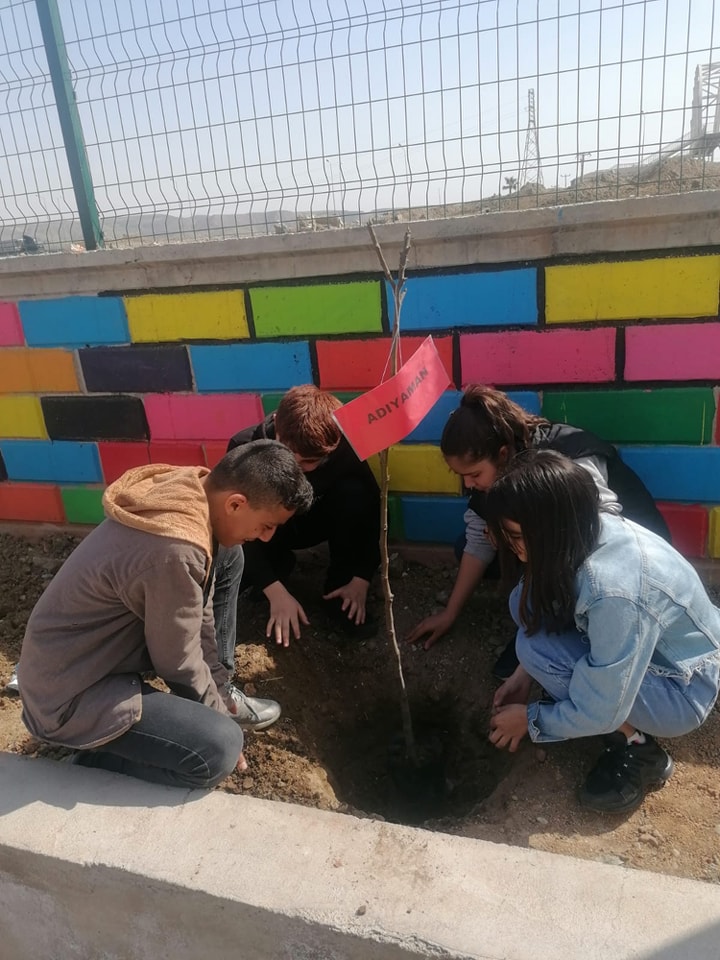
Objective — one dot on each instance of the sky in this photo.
(227, 106)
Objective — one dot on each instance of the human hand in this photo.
(516, 689)
(354, 598)
(436, 626)
(508, 726)
(242, 764)
(286, 614)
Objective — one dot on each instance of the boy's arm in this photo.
(168, 597)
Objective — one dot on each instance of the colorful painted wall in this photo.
(92, 385)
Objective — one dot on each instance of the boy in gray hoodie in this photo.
(136, 596)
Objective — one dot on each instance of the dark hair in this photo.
(267, 473)
(486, 421)
(304, 421)
(556, 503)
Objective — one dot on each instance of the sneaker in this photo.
(253, 713)
(624, 773)
(507, 663)
(12, 685)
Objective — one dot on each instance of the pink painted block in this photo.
(683, 351)
(11, 331)
(530, 357)
(201, 416)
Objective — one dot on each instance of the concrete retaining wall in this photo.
(101, 867)
(604, 315)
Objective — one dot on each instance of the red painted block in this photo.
(178, 454)
(359, 364)
(214, 452)
(530, 357)
(31, 501)
(11, 331)
(201, 417)
(116, 458)
(688, 525)
(687, 351)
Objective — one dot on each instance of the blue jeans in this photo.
(664, 706)
(176, 741)
(229, 565)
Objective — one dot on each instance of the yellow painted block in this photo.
(215, 315)
(673, 287)
(714, 533)
(421, 468)
(22, 417)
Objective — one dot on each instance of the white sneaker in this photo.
(12, 685)
(252, 713)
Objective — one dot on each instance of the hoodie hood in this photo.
(167, 501)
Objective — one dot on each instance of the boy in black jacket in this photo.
(345, 513)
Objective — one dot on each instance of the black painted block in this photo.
(3, 469)
(136, 369)
(95, 418)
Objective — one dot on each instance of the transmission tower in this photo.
(530, 170)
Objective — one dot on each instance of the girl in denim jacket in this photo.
(613, 624)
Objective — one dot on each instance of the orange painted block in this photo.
(37, 371)
(359, 364)
(178, 454)
(118, 457)
(214, 452)
(31, 501)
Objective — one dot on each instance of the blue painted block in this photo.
(497, 298)
(677, 473)
(251, 366)
(430, 429)
(74, 321)
(52, 461)
(433, 519)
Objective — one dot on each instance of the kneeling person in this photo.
(345, 513)
(613, 624)
(136, 596)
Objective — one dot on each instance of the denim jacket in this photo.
(641, 607)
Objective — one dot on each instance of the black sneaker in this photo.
(624, 773)
(507, 663)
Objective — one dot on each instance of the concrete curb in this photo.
(95, 865)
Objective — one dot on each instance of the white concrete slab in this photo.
(94, 865)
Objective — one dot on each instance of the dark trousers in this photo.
(176, 741)
(347, 517)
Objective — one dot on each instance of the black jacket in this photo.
(632, 494)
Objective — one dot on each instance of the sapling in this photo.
(397, 286)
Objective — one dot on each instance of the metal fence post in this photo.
(54, 42)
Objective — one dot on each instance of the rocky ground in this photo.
(338, 745)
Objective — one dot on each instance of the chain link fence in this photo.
(125, 122)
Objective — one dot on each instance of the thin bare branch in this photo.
(380, 255)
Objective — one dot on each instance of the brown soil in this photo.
(338, 745)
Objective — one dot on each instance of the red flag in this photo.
(386, 414)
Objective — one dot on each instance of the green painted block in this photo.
(320, 309)
(83, 504)
(270, 402)
(683, 415)
(395, 519)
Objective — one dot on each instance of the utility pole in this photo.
(530, 170)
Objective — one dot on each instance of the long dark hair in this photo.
(486, 421)
(556, 503)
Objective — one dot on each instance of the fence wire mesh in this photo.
(205, 119)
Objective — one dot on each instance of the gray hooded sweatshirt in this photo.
(129, 599)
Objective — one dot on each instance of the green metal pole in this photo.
(54, 41)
